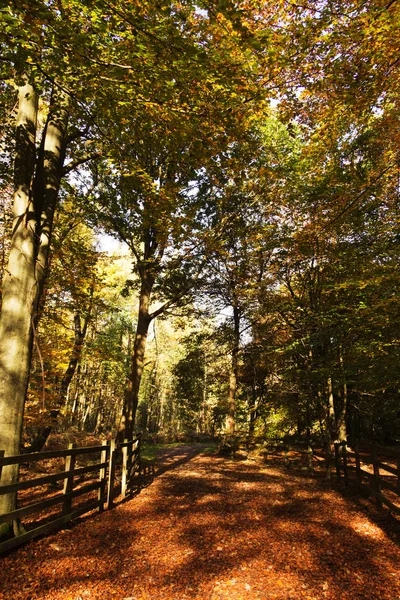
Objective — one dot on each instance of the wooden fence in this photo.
(370, 472)
(130, 465)
(102, 468)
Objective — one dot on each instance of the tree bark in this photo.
(49, 173)
(253, 404)
(126, 429)
(233, 375)
(19, 293)
(329, 427)
(35, 196)
(342, 410)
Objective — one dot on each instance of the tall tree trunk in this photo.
(253, 403)
(329, 427)
(342, 409)
(80, 334)
(35, 196)
(19, 294)
(131, 398)
(205, 398)
(233, 375)
(49, 173)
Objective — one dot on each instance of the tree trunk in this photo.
(80, 333)
(131, 398)
(49, 173)
(233, 375)
(35, 195)
(342, 410)
(253, 403)
(342, 415)
(5, 221)
(205, 398)
(19, 294)
(329, 428)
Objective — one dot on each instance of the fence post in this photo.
(377, 479)
(2, 452)
(328, 460)
(101, 494)
(111, 474)
(337, 460)
(358, 465)
(124, 469)
(136, 449)
(69, 480)
(130, 464)
(139, 446)
(344, 458)
(286, 455)
(310, 459)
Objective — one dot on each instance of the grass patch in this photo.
(209, 447)
(150, 451)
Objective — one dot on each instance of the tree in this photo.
(69, 300)
(58, 60)
(147, 194)
(241, 188)
(38, 159)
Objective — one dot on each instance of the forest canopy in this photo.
(244, 158)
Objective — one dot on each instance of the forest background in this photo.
(245, 158)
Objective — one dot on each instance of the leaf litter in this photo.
(211, 528)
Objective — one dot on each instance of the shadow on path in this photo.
(210, 528)
(174, 457)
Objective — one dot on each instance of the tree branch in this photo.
(178, 296)
(81, 161)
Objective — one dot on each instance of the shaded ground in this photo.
(210, 528)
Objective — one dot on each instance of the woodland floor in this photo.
(210, 528)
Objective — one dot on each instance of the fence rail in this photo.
(351, 467)
(102, 468)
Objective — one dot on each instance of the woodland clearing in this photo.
(209, 527)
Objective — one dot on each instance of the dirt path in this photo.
(210, 528)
